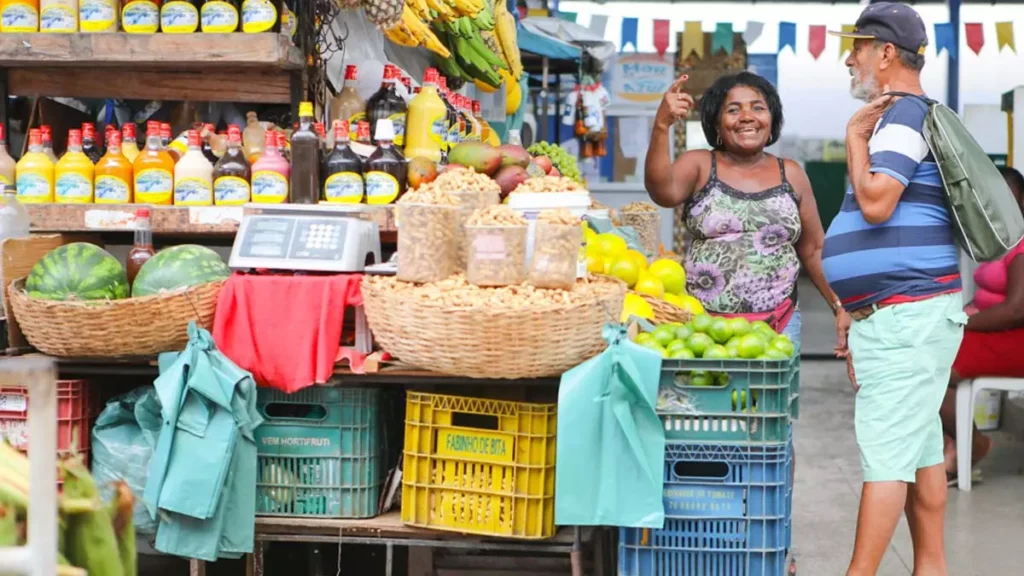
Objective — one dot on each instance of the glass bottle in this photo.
(154, 173)
(14, 218)
(34, 172)
(253, 138)
(89, 145)
(193, 175)
(270, 174)
(207, 132)
(142, 248)
(74, 173)
(343, 169)
(305, 177)
(385, 169)
(47, 134)
(114, 174)
(261, 16)
(348, 105)
(387, 104)
(219, 16)
(232, 174)
(129, 142)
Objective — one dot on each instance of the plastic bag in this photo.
(556, 251)
(426, 241)
(495, 255)
(611, 444)
(647, 226)
(123, 438)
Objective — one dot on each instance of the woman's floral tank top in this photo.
(742, 258)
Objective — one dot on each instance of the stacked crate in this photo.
(727, 473)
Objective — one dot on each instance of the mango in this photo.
(512, 155)
(421, 171)
(476, 155)
(509, 178)
(543, 162)
(535, 171)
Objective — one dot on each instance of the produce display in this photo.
(508, 165)
(456, 292)
(94, 538)
(178, 267)
(77, 271)
(717, 338)
(562, 161)
(548, 184)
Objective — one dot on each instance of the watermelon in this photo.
(178, 267)
(78, 271)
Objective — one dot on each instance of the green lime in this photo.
(722, 378)
(701, 323)
(782, 344)
(751, 346)
(733, 347)
(716, 352)
(720, 330)
(699, 342)
(681, 354)
(739, 325)
(701, 378)
(684, 331)
(675, 345)
(664, 334)
(643, 338)
(776, 354)
(762, 327)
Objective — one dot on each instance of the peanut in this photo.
(647, 224)
(558, 216)
(456, 292)
(466, 181)
(638, 207)
(550, 184)
(428, 194)
(496, 216)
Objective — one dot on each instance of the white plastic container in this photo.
(531, 204)
(987, 407)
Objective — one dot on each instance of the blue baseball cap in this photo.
(890, 22)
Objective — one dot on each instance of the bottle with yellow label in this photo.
(98, 15)
(33, 174)
(261, 16)
(74, 173)
(179, 17)
(232, 173)
(193, 175)
(140, 17)
(426, 122)
(114, 174)
(154, 172)
(19, 15)
(385, 169)
(219, 16)
(343, 169)
(58, 16)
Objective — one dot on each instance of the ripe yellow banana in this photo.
(467, 7)
(419, 8)
(505, 30)
(444, 11)
(423, 34)
(401, 35)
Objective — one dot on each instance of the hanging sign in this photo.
(640, 80)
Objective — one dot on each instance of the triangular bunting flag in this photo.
(944, 39)
(846, 44)
(975, 35)
(787, 36)
(598, 23)
(693, 39)
(1004, 36)
(816, 40)
(661, 36)
(753, 31)
(629, 30)
(722, 40)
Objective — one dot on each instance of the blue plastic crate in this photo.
(789, 491)
(748, 401)
(726, 514)
(794, 394)
(319, 453)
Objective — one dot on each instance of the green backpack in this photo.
(986, 217)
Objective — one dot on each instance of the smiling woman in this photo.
(752, 216)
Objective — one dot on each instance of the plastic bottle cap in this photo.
(128, 130)
(194, 140)
(234, 133)
(45, 130)
(35, 137)
(350, 72)
(341, 129)
(2, 131)
(385, 130)
(142, 213)
(430, 76)
(114, 139)
(305, 109)
(74, 137)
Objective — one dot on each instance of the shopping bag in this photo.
(611, 444)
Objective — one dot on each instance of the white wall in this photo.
(815, 92)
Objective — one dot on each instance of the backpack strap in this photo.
(924, 99)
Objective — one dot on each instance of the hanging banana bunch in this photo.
(412, 31)
(505, 31)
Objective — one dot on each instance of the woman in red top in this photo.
(994, 334)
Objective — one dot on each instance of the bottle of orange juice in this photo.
(154, 173)
(426, 123)
(33, 174)
(74, 173)
(114, 174)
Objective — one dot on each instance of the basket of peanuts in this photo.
(558, 236)
(495, 247)
(457, 328)
(427, 221)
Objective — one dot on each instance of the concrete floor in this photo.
(984, 528)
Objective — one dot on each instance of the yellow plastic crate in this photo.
(479, 466)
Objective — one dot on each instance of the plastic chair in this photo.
(966, 390)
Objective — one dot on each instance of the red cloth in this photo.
(778, 318)
(286, 330)
(991, 354)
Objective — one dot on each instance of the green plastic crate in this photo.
(319, 453)
(724, 412)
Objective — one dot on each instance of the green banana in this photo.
(484, 20)
(450, 68)
(481, 48)
(473, 62)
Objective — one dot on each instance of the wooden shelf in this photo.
(166, 220)
(256, 68)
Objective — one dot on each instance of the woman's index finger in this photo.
(677, 86)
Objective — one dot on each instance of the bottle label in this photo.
(58, 18)
(72, 187)
(344, 187)
(179, 17)
(111, 190)
(439, 129)
(33, 187)
(381, 188)
(219, 17)
(230, 190)
(19, 17)
(97, 15)
(140, 17)
(453, 134)
(193, 192)
(4, 180)
(399, 121)
(269, 187)
(353, 124)
(258, 16)
(154, 186)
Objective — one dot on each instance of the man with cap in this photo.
(891, 258)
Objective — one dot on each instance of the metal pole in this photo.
(953, 73)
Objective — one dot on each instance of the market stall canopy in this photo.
(552, 38)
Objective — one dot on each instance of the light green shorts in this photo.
(902, 356)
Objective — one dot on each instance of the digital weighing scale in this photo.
(306, 237)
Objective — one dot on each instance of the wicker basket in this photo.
(663, 311)
(130, 327)
(490, 343)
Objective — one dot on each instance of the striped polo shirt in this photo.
(911, 256)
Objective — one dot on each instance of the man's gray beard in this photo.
(864, 90)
